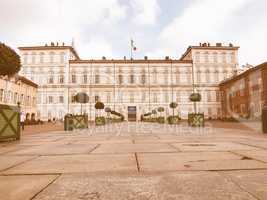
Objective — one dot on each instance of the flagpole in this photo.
(131, 49)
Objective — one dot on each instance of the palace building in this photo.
(129, 86)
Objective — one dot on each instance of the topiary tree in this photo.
(173, 105)
(99, 105)
(9, 61)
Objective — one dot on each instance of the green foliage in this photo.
(173, 119)
(196, 119)
(107, 109)
(173, 105)
(154, 112)
(99, 105)
(194, 97)
(160, 109)
(81, 97)
(100, 121)
(161, 120)
(9, 61)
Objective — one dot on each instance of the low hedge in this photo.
(173, 119)
(196, 119)
(161, 120)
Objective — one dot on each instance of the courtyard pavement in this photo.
(136, 161)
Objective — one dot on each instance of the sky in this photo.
(159, 28)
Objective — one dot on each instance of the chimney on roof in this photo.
(57, 44)
(200, 44)
(167, 57)
(231, 45)
(103, 58)
(124, 57)
(208, 44)
(52, 44)
(145, 57)
(45, 45)
(218, 44)
(63, 44)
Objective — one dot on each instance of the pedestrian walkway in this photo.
(136, 161)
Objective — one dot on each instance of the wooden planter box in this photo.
(9, 122)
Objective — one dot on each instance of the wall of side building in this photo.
(14, 90)
(244, 96)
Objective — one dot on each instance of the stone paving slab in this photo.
(131, 148)
(56, 149)
(9, 161)
(23, 187)
(150, 162)
(259, 144)
(182, 186)
(77, 163)
(257, 155)
(212, 146)
(254, 181)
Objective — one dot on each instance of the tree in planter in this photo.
(195, 119)
(154, 112)
(161, 119)
(173, 119)
(99, 120)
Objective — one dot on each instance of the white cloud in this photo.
(207, 21)
(34, 22)
(145, 11)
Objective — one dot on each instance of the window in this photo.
(25, 58)
(197, 57)
(51, 57)
(50, 99)
(143, 79)
(232, 57)
(85, 78)
(41, 57)
(155, 97)
(166, 98)
(131, 97)
(199, 76)
(177, 77)
(62, 57)
(33, 58)
(97, 79)
(15, 98)
(206, 57)
(216, 76)
(208, 96)
(108, 97)
(120, 79)
(208, 76)
(215, 57)
(143, 96)
(154, 75)
(131, 79)
(97, 98)
(61, 99)
(51, 80)
(73, 78)
(61, 79)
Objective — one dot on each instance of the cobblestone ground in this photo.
(137, 161)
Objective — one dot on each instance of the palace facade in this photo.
(128, 85)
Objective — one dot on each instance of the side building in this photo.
(21, 90)
(127, 86)
(244, 95)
